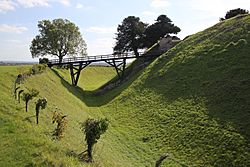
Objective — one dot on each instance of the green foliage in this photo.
(43, 60)
(37, 69)
(233, 13)
(61, 124)
(58, 37)
(93, 130)
(40, 104)
(18, 79)
(162, 27)
(27, 96)
(129, 35)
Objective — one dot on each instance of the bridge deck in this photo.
(118, 61)
(90, 59)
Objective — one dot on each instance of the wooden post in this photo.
(76, 75)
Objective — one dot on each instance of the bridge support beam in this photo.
(119, 66)
(75, 71)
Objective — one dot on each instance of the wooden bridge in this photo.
(118, 61)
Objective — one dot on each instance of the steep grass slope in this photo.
(192, 102)
(23, 143)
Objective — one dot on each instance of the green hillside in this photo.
(192, 103)
(23, 143)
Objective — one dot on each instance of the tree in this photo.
(162, 27)
(43, 60)
(233, 13)
(40, 104)
(19, 95)
(129, 36)
(16, 91)
(59, 37)
(93, 130)
(27, 96)
(61, 124)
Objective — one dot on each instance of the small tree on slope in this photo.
(40, 104)
(29, 96)
(93, 130)
(61, 124)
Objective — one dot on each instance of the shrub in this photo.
(40, 104)
(27, 96)
(43, 60)
(233, 13)
(37, 69)
(93, 130)
(61, 124)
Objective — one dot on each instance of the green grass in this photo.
(193, 103)
(24, 142)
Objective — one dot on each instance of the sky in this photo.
(98, 19)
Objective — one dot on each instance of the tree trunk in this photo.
(90, 152)
(19, 95)
(26, 106)
(37, 115)
(60, 59)
(136, 52)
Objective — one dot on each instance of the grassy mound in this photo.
(192, 103)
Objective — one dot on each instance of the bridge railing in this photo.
(92, 58)
(101, 57)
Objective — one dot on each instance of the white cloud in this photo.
(12, 28)
(84, 7)
(33, 3)
(79, 6)
(101, 30)
(64, 2)
(159, 3)
(6, 5)
(100, 46)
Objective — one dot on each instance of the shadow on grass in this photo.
(82, 157)
(28, 119)
(90, 98)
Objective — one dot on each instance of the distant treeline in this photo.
(13, 63)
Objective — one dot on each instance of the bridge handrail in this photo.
(91, 58)
(98, 57)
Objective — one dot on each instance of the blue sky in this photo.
(98, 19)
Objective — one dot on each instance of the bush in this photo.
(37, 69)
(27, 96)
(93, 130)
(43, 61)
(233, 13)
(61, 124)
(40, 104)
